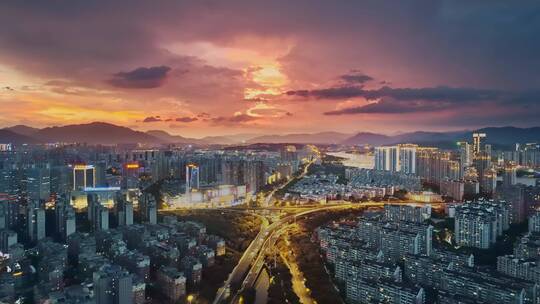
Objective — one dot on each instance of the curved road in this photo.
(253, 250)
(272, 234)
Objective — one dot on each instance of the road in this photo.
(252, 253)
(272, 234)
(271, 194)
(297, 277)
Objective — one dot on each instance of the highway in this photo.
(252, 253)
(252, 261)
(272, 233)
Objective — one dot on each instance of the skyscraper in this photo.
(35, 222)
(192, 177)
(124, 211)
(100, 220)
(100, 174)
(148, 208)
(387, 158)
(130, 175)
(289, 153)
(477, 142)
(510, 175)
(253, 175)
(482, 163)
(65, 224)
(434, 165)
(83, 176)
(7, 238)
(38, 184)
(9, 211)
(465, 156)
(61, 179)
(407, 158)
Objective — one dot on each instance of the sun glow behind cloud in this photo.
(269, 78)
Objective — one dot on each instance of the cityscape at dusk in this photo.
(269, 152)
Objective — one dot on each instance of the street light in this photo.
(190, 298)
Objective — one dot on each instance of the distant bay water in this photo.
(357, 160)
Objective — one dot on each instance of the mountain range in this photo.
(105, 133)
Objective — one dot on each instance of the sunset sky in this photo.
(198, 68)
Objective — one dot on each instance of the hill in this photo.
(499, 136)
(7, 136)
(22, 130)
(94, 133)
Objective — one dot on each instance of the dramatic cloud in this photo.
(186, 119)
(238, 118)
(394, 101)
(435, 93)
(152, 119)
(389, 106)
(356, 77)
(141, 78)
(66, 56)
(264, 110)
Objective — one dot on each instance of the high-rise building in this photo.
(148, 208)
(9, 211)
(510, 175)
(478, 224)
(100, 218)
(489, 181)
(130, 175)
(488, 149)
(407, 158)
(92, 200)
(38, 184)
(233, 172)
(61, 179)
(289, 153)
(529, 155)
(434, 165)
(477, 142)
(84, 176)
(9, 181)
(35, 222)
(387, 158)
(124, 212)
(482, 163)
(534, 222)
(465, 156)
(113, 285)
(254, 175)
(517, 201)
(65, 224)
(7, 239)
(70, 224)
(453, 188)
(192, 177)
(465, 153)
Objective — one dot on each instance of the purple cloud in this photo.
(186, 119)
(141, 78)
(235, 119)
(356, 77)
(152, 119)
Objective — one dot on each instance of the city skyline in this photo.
(264, 152)
(209, 68)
